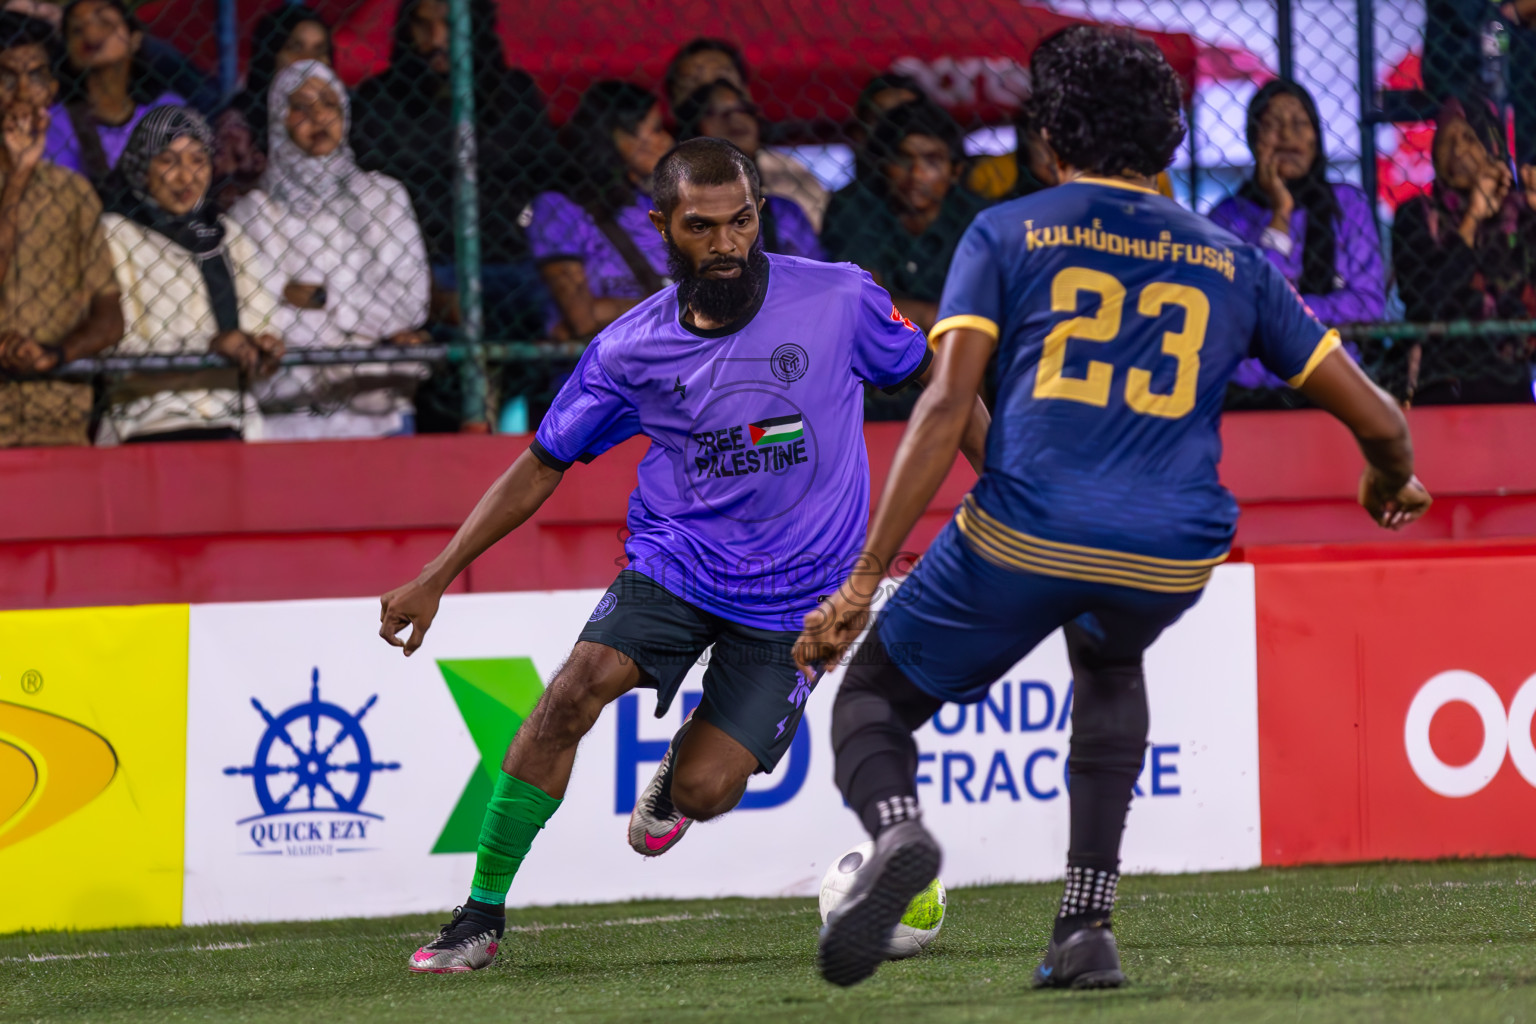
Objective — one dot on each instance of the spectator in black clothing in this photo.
(282, 37)
(1521, 14)
(702, 61)
(903, 225)
(705, 61)
(880, 94)
(1030, 168)
(1467, 251)
(1455, 66)
(175, 72)
(403, 126)
(720, 110)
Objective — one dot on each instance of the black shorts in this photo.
(752, 690)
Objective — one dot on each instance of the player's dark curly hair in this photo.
(1107, 100)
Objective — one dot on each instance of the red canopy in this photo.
(808, 58)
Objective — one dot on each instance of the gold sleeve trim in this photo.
(1093, 179)
(973, 323)
(1327, 345)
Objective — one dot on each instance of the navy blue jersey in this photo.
(1119, 316)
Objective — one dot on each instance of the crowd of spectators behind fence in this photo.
(141, 214)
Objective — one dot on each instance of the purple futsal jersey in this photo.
(753, 499)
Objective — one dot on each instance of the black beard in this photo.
(723, 300)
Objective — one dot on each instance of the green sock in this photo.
(513, 817)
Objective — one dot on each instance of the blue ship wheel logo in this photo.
(332, 764)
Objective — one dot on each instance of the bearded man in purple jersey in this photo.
(748, 377)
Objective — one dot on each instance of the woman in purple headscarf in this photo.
(1467, 251)
(1319, 233)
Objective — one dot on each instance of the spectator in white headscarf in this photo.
(350, 268)
(191, 282)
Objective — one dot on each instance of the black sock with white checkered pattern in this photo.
(891, 810)
(874, 756)
(884, 794)
(1087, 900)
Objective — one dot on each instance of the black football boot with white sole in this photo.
(855, 937)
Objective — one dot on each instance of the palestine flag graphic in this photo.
(780, 428)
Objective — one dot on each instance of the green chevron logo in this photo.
(494, 695)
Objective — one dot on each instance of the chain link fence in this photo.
(357, 218)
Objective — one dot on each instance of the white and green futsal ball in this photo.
(919, 925)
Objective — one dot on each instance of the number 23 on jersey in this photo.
(1104, 326)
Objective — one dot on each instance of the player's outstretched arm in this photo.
(1388, 489)
(515, 496)
(973, 443)
(941, 418)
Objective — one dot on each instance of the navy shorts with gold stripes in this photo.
(971, 608)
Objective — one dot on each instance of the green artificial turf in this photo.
(1439, 943)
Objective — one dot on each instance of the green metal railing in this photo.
(477, 353)
(1443, 329)
(472, 366)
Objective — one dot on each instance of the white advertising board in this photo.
(328, 776)
(996, 794)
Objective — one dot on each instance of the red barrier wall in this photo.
(1295, 472)
(227, 521)
(1345, 649)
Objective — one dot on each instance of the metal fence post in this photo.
(229, 48)
(1369, 112)
(1190, 112)
(467, 212)
(1285, 40)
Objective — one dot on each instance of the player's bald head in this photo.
(706, 162)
